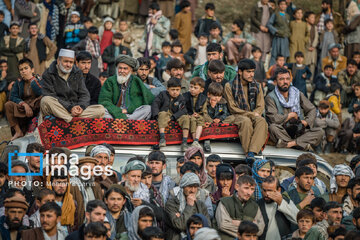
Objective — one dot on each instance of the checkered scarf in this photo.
(340, 169)
(321, 26)
(93, 48)
(239, 96)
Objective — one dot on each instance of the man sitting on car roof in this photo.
(124, 95)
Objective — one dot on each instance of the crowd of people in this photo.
(207, 199)
(286, 82)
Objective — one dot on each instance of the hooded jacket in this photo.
(188, 154)
(133, 229)
(205, 223)
(215, 197)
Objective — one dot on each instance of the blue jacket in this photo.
(17, 91)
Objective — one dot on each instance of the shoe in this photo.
(309, 148)
(162, 142)
(196, 144)
(250, 161)
(281, 144)
(328, 148)
(207, 147)
(184, 147)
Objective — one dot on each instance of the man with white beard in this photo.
(65, 92)
(124, 95)
(137, 191)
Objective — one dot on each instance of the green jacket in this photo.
(136, 95)
(202, 71)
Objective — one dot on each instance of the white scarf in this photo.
(150, 28)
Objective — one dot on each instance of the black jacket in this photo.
(93, 85)
(163, 103)
(286, 228)
(108, 57)
(77, 235)
(69, 93)
(190, 103)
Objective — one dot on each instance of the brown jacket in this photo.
(233, 106)
(8, 4)
(340, 63)
(74, 190)
(32, 234)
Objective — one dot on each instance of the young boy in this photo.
(329, 122)
(164, 58)
(305, 219)
(176, 51)
(311, 44)
(123, 29)
(11, 49)
(322, 84)
(356, 100)
(299, 34)
(193, 224)
(183, 24)
(197, 55)
(260, 75)
(170, 105)
(195, 106)
(280, 63)
(215, 36)
(103, 77)
(4, 29)
(300, 72)
(334, 99)
(113, 51)
(278, 26)
(174, 35)
(247, 230)
(88, 22)
(216, 109)
(204, 23)
(327, 37)
(72, 30)
(356, 57)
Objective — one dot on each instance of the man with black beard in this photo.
(153, 84)
(216, 73)
(59, 183)
(124, 95)
(327, 12)
(84, 188)
(352, 199)
(65, 92)
(279, 212)
(11, 224)
(176, 68)
(286, 103)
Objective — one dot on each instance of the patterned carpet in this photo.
(81, 132)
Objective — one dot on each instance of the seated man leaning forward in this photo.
(65, 92)
(124, 95)
(291, 115)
